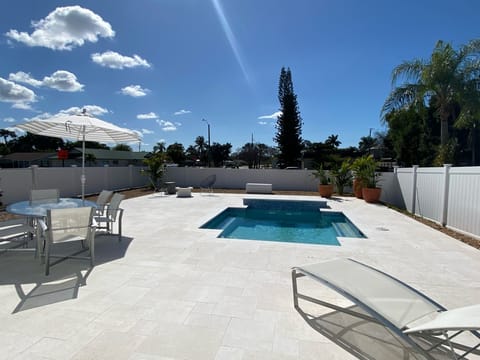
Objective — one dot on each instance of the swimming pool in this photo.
(284, 222)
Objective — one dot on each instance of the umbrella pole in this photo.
(83, 179)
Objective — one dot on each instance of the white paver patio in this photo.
(170, 290)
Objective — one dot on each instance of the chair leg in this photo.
(92, 251)
(47, 260)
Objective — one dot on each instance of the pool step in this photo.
(344, 229)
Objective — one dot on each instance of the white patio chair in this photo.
(113, 214)
(208, 183)
(40, 196)
(102, 201)
(65, 225)
(15, 232)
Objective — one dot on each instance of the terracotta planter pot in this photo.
(357, 189)
(325, 191)
(371, 195)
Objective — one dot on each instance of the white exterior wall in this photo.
(237, 178)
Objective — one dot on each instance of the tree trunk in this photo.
(444, 130)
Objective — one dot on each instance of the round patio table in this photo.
(25, 208)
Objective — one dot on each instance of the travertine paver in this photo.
(170, 290)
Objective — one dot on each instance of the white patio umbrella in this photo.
(80, 127)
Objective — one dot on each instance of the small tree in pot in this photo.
(325, 188)
(369, 178)
(342, 176)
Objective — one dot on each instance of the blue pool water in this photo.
(284, 225)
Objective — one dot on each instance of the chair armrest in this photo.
(42, 224)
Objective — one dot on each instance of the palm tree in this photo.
(160, 147)
(333, 141)
(441, 81)
(201, 146)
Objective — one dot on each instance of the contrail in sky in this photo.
(230, 37)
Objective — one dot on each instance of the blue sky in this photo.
(161, 66)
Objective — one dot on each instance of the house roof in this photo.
(102, 154)
(28, 156)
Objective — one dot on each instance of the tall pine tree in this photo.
(289, 123)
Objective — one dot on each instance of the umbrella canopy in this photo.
(80, 127)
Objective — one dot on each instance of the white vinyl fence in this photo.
(447, 195)
(17, 183)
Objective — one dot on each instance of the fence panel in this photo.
(464, 199)
(405, 184)
(429, 193)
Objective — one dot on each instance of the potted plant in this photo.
(369, 178)
(358, 167)
(325, 188)
(342, 176)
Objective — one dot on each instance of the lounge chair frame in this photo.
(375, 316)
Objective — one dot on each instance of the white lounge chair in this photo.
(423, 324)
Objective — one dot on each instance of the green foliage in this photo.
(176, 153)
(446, 153)
(411, 138)
(444, 80)
(155, 163)
(122, 147)
(219, 153)
(364, 169)
(321, 174)
(342, 175)
(289, 123)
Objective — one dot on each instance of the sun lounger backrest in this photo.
(387, 296)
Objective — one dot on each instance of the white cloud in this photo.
(134, 91)
(60, 80)
(182, 112)
(150, 115)
(65, 28)
(9, 120)
(263, 122)
(146, 131)
(167, 125)
(274, 116)
(91, 109)
(114, 60)
(19, 95)
(23, 77)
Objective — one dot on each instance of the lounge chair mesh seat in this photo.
(392, 303)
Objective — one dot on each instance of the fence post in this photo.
(34, 176)
(414, 187)
(446, 186)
